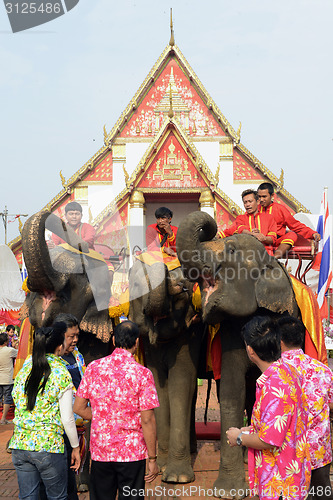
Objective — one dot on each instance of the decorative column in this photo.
(137, 221)
(207, 201)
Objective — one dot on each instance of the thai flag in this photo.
(324, 256)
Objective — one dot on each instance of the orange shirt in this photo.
(262, 221)
(283, 219)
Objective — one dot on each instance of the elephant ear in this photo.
(98, 323)
(273, 289)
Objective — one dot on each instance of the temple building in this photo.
(173, 147)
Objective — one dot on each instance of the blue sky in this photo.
(267, 64)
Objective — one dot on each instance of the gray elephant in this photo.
(238, 279)
(161, 304)
(66, 280)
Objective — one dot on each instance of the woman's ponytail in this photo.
(47, 339)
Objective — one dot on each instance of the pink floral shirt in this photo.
(118, 389)
(317, 384)
(280, 418)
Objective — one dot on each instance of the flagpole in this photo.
(5, 216)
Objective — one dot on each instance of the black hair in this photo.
(125, 334)
(250, 191)
(46, 341)
(268, 186)
(163, 212)
(292, 331)
(262, 335)
(73, 205)
(3, 338)
(10, 327)
(69, 319)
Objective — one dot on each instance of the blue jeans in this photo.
(33, 466)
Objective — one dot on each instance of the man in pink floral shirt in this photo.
(317, 384)
(279, 461)
(122, 397)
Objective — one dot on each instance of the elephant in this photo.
(238, 279)
(161, 305)
(66, 281)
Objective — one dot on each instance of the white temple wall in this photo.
(134, 153)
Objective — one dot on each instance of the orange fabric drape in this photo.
(314, 336)
(25, 345)
(10, 317)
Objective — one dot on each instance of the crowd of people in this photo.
(289, 433)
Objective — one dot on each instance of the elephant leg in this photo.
(181, 385)
(231, 480)
(155, 363)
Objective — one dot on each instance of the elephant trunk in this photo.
(195, 229)
(41, 275)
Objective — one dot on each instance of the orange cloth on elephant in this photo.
(314, 335)
(154, 256)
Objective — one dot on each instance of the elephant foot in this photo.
(178, 472)
(162, 460)
(231, 488)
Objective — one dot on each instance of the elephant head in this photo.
(236, 275)
(160, 300)
(65, 280)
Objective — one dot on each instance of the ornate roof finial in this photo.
(63, 180)
(172, 37)
(171, 113)
(105, 136)
(238, 134)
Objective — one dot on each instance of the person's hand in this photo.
(246, 429)
(169, 251)
(255, 230)
(232, 434)
(316, 236)
(76, 460)
(165, 224)
(260, 237)
(152, 471)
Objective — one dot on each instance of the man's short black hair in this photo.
(163, 212)
(262, 335)
(10, 327)
(74, 206)
(268, 186)
(69, 319)
(3, 338)
(125, 334)
(250, 191)
(292, 332)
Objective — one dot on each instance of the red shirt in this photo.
(154, 238)
(85, 231)
(264, 222)
(284, 219)
(118, 389)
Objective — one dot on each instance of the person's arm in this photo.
(81, 408)
(13, 353)
(148, 424)
(68, 421)
(89, 234)
(248, 440)
(298, 227)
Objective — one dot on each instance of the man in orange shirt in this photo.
(260, 225)
(285, 239)
(162, 236)
(86, 232)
